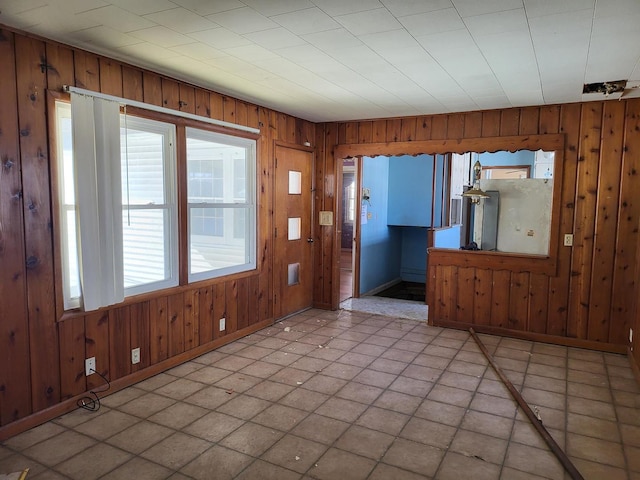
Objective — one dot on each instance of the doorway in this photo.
(293, 268)
(348, 228)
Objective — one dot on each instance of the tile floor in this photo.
(347, 395)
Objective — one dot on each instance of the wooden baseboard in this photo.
(535, 337)
(70, 404)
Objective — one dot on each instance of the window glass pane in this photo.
(294, 229)
(71, 257)
(142, 166)
(211, 248)
(293, 274)
(145, 247)
(295, 182)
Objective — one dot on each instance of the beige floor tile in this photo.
(239, 382)
(140, 437)
(280, 417)
(454, 396)
(398, 402)
(178, 415)
(251, 439)
(593, 427)
(324, 384)
(594, 449)
(243, 406)
(340, 464)
(411, 386)
(295, 453)
(47, 475)
(494, 405)
(208, 375)
(544, 398)
(17, 463)
(592, 408)
(360, 393)
(123, 396)
(93, 462)
(341, 370)
(217, 462)
(139, 469)
(428, 432)
(177, 450)
(146, 405)
(214, 426)
(365, 442)
(341, 409)
(383, 420)
(260, 470)
(33, 436)
(386, 472)
(538, 382)
(440, 412)
(415, 457)
(534, 460)
(209, 397)
(180, 389)
(59, 448)
(320, 429)
(595, 471)
(259, 369)
(455, 463)
(478, 446)
(493, 425)
(590, 392)
(630, 435)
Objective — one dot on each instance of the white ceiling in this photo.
(327, 60)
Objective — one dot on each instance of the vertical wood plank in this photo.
(191, 319)
(170, 94)
(187, 95)
(203, 103)
(158, 329)
(473, 125)
(243, 303)
(519, 301)
(423, 128)
(365, 132)
(119, 342)
(229, 109)
(394, 130)
(627, 228)
(465, 297)
(72, 354)
(255, 304)
(219, 308)
(482, 297)
(152, 88)
(379, 131)
(558, 319)
(231, 301)
(408, 129)
(510, 121)
(87, 70)
(603, 256)
(59, 66)
(216, 107)
(500, 298)
(96, 327)
(538, 305)
(140, 333)
(43, 334)
(491, 123)
(549, 119)
(455, 125)
(175, 307)
(206, 315)
(439, 127)
(15, 391)
(585, 208)
(529, 121)
(110, 77)
(350, 132)
(132, 84)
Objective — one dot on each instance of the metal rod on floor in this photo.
(535, 421)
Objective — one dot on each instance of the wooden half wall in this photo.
(589, 299)
(42, 351)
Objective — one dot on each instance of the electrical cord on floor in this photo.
(92, 403)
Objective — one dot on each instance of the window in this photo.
(221, 204)
(147, 182)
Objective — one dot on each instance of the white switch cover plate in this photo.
(90, 366)
(135, 356)
(223, 324)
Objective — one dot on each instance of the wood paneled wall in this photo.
(590, 297)
(42, 356)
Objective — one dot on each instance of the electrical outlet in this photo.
(568, 240)
(90, 366)
(135, 356)
(223, 324)
(631, 335)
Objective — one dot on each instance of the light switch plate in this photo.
(326, 218)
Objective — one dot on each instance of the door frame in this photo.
(355, 252)
(274, 283)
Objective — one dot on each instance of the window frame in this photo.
(179, 165)
(250, 204)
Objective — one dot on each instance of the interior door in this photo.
(293, 267)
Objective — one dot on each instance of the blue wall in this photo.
(380, 245)
(410, 184)
(413, 262)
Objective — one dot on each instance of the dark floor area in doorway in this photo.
(405, 291)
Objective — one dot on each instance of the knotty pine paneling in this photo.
(42, 348)
(587, 298)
